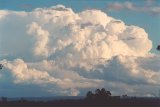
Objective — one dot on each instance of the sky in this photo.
(67, 47)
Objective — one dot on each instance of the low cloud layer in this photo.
(67, 53)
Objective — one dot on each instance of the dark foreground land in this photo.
(101, 98)
(109, 102)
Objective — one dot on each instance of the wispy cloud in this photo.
(148, 7)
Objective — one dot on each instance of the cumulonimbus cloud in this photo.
(67, 51)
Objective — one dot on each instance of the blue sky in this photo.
(57, 51)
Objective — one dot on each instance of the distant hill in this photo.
(46, 98)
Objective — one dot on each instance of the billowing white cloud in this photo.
(41, 39)
(58, 49)
(31, 73)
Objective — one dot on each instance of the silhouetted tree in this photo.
(1, 66)
(108, 93)
(99, 94)
(158, 47)
(103, 92)
(90, 95)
